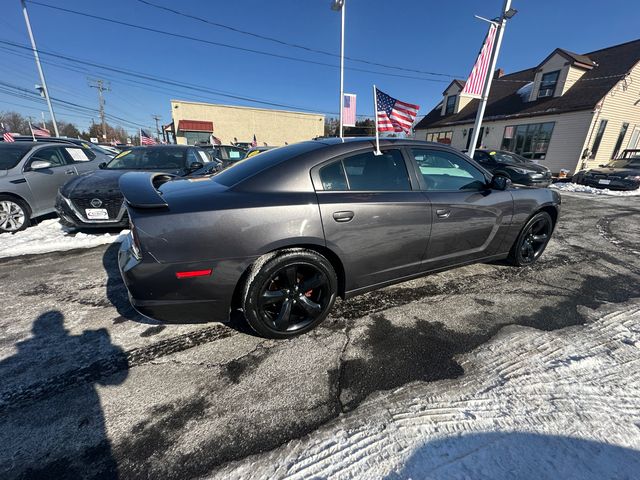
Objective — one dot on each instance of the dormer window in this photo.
(548, 84)
(451, 104)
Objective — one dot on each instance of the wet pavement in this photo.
(89, 388)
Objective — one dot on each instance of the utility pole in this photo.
(500, 23)
(157, 118)
(99, 85)
(45, 90)
(339, 6)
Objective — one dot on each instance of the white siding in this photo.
(565, 147)
(618, 106)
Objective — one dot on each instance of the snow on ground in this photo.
(531, 404)
(575, 188)
(51, 236)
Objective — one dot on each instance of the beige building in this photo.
(569, 112)
(195, 122)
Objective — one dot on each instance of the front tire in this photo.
(289, 293)
(14, 214)
(532, 241)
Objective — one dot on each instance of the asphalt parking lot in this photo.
(89, 388)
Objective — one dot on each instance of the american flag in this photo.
(255, 141)
(394, 115)
(39, 132)
(478, 75)
(146, 139)
(6, 135)
(349, 110)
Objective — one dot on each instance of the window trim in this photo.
(602, 127)
(555, 84)
(618, 145)
(453, 107)
(423, 186)
(414, 182)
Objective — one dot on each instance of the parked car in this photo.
(620, 174)
(31, 174)
(282, 234)
(256, 150)
(96, 149)
(515, 167)
(95, 201)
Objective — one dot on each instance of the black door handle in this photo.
(443, 213)
(70, 172)
(345, 216)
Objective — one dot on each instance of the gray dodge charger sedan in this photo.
(282, 234)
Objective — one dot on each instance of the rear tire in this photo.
(532, 240)
(289, 293)
(14, 214)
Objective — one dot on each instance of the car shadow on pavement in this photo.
(507, 455)
(51, 420)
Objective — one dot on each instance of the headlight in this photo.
(635, 178)
(523, 171)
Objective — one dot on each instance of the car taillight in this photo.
(135, 242)
(193, 273)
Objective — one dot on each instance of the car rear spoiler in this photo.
(140, 189)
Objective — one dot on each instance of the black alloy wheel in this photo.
(290, 294)
(533, 240)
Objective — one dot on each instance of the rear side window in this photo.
(367, 172)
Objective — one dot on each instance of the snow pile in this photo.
(51, 236)
(574, 187)
(531, 404)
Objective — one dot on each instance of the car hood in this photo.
(536, 167)
(614, 171)
(105, 181)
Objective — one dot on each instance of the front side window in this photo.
(446, 171)
(548, 84)
(530, 141)
(367, 172)
(53, 155)
(451, 104)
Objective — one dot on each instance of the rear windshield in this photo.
(248, 167)
(149, 158)
(11, 154)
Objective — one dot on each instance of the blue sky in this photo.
(426, 35)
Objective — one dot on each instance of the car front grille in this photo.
(112, 204)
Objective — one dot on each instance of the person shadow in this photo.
(52, 425)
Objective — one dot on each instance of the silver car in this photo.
(31, 174)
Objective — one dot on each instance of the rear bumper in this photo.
(155, 292)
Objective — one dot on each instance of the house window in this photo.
(440, 137)
(596, 142)
(548, 84)
(623, 132)
(531, 140)
(451, 104)
(197, 137)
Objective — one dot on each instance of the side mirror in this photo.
(102, 165)
(602, 165)
(40, 165)
(195, 166)
(500, 182)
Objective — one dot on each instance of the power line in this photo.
(288, 44)
(226, 45)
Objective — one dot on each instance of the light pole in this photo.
(339, 5)
(500, 23)
(45, 90)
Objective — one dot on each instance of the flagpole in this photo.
(375, 116)
(140, 137)
(487, 82)
(32, 134)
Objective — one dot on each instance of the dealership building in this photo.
(194, 122)
(569, 112)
